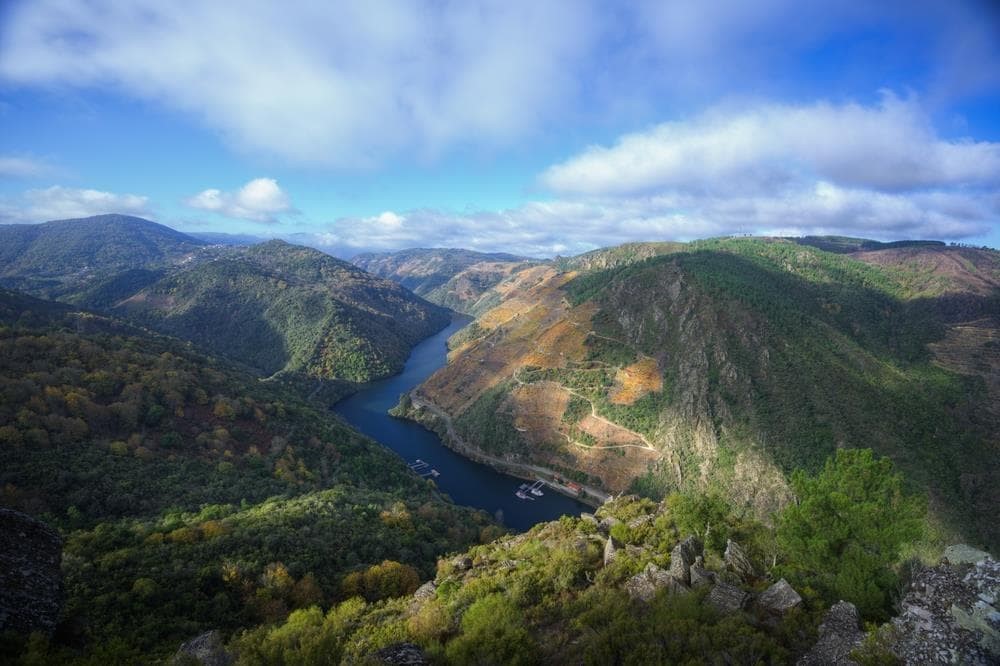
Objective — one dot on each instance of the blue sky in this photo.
(539, 128)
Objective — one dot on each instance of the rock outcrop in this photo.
(950, 612)
(206, 649)
(779, 598)
(402, 654)
(738, 561)
(839, 634)
(31, 592)
(644, 586)
(727, 598)
(610, 551)
(682, 557)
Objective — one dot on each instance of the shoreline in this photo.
(425, 413)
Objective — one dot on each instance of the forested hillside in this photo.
(727, 364)
(280, 307)
(272, 306)
(65, 259)
(192, 495)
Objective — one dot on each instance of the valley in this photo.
(720, 426)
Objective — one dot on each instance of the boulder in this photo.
(779, 598)
(206, 649)
(727, 598)
(31, 593)
(402, 654)
(738, 561)
(839, 634)
(610, 551)
(682, 557)
(644, 586)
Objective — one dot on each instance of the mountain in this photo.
(727, 364)
(189, 493)
(280, 307)
(273, 306)
(453, 278)
(64, 258)
(216, 238)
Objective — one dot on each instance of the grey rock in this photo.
(641, 520)
(839, 634)
(610, 551)
(950, 613)
(779, 598)
(402, 654)
(727, 598)
(964, 554)
(461, 562)
(700, 576)
(682, 557)
(588, 517)
(206, 649)
(31, 593)
(425, 591)
(644, 586)
(738, 561)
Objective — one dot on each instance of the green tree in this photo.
(845, 532)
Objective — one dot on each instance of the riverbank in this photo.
(420, 409)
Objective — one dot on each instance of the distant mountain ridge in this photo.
(55, 259)
(453, 278)
(274, 306)
(281, 307)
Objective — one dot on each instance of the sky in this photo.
(539, 128)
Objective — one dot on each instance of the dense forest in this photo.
(191, 493)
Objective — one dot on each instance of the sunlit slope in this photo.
(733, 362)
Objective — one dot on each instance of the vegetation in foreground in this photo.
(192, 494)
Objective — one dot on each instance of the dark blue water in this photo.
(467, 482)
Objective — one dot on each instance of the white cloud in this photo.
(13, 166)
(260, 200)
(344, 84)
(891, 146)
(568, 227)
(56, 203)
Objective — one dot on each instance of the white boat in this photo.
(536, 488)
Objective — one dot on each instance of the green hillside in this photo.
(727, 364)
(190, 493)
(63, 258)
(280, 307)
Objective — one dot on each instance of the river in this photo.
(467, 482)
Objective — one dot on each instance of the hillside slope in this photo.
(191, 494)
(280, 307)
(731, 363)
(64, 258)
(453, 278)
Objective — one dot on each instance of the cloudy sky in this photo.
(533, 127)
